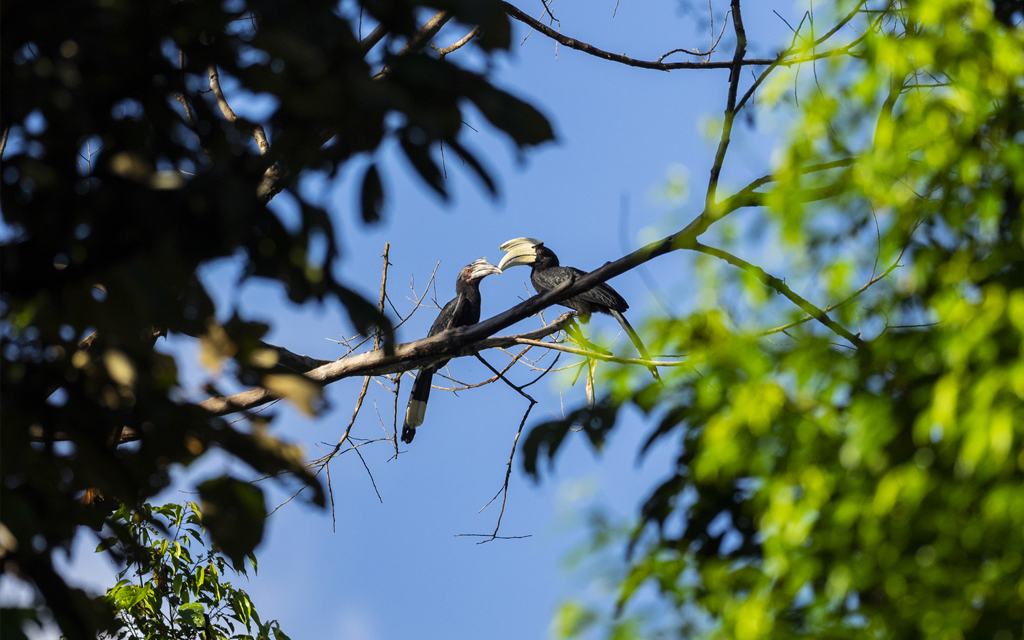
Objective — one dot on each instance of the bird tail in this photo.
(641, 349)
(417, 408)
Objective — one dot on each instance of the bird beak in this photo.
(519, 251)
(481, 269)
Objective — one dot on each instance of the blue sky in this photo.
(394, 568)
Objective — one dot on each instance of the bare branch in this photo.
(714, 43)
(572, 43)
(730, 108)
(511, 457)
(458, 45)
(293, 362)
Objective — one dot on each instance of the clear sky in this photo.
(395, 568)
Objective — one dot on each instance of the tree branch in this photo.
(730, 107)
(572, 43)
(599, 356)
(833, 307)
(257, 130)
(422, 37)
(441, 53)
(782, 288)
(452, 343)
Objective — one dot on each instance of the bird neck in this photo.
(469, 289)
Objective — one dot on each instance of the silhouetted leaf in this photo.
(372, 195)
(234, 513)
(547, 437)
(474, 164)
(419, 155)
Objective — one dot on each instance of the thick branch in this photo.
(371, 40)
(453, 343)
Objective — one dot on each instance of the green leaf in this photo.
(572, 620)
(192, 614)
(107, 543)
(278, 634)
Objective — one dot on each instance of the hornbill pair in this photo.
(547, 274)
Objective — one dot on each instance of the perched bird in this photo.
(548, 274)
(461, 311)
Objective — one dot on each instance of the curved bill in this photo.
(519, 251)
(481, 268)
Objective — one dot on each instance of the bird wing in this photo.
(602, 294)
(448, 313)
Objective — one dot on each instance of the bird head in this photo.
(526, 251)
(477, 270)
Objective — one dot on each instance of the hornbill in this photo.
(461, 311)
(548, 274)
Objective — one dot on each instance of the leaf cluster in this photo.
(173, 584)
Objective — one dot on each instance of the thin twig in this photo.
(458, 45)
(572, 43)
(842, 302)
(515, 442)
(781, 287)
(600, 356)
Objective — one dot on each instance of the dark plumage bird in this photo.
(548, 274)
(461, 311)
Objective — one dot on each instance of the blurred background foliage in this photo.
(123, 174)
(828, 487)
